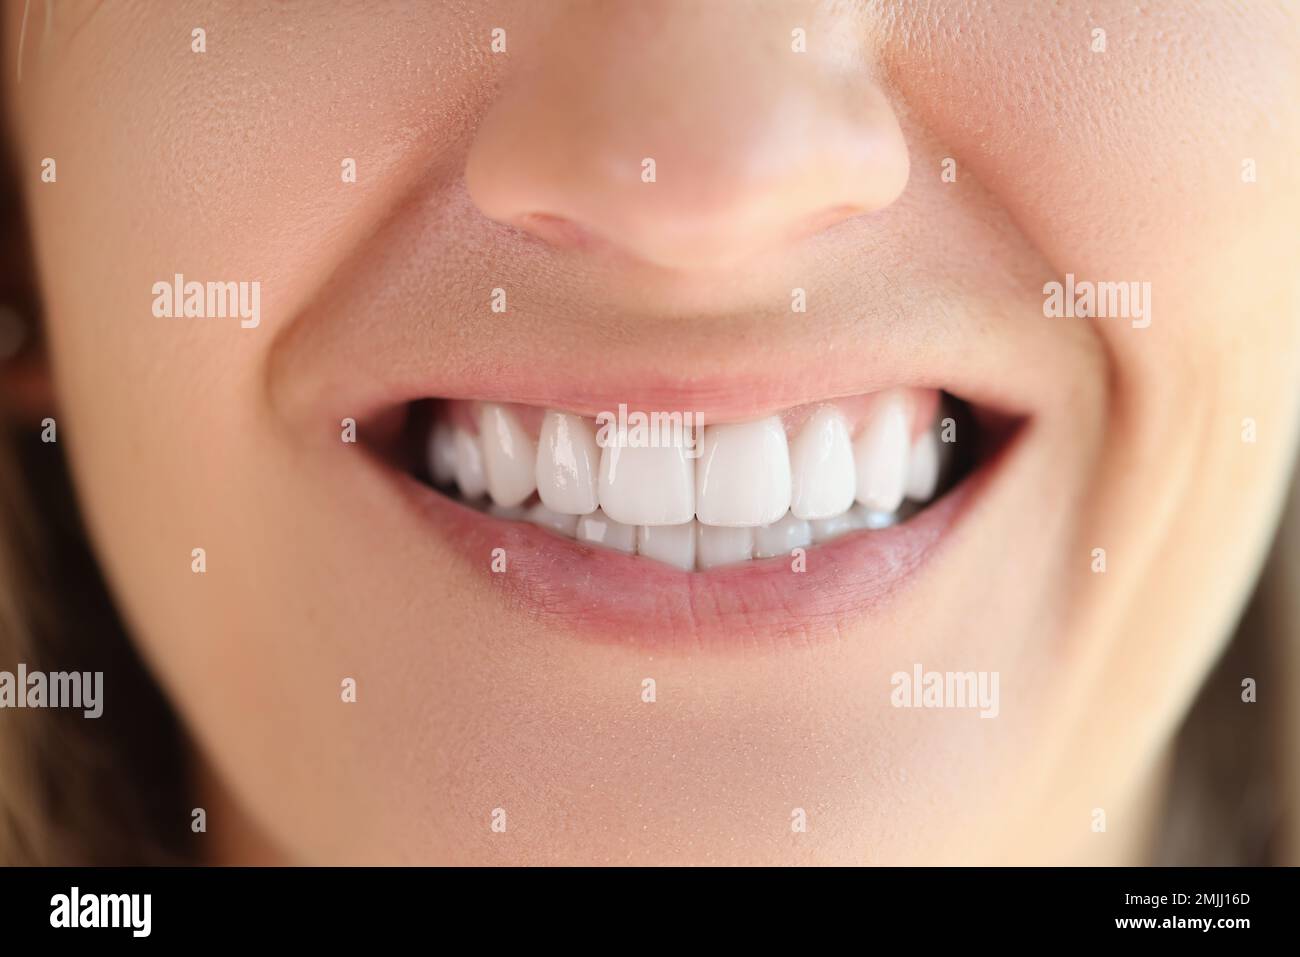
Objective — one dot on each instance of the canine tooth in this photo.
(599, 529)
(469, 465)
(823, 476)
(442, 454)
(568, 461)
(566, 525)
(672, 544)
(781, 536)
(923, 467)
(880, 453)
(743, 476)
(509, 455)
(647, 485)
(826, 529)
(722, 546)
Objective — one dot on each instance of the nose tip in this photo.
(692, 169)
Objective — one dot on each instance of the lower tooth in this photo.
(781, 536)
(868, 518)
(718, 545)
(694, 545)
(599, 529)
(826, 529)
(672, 544)
(566, 525)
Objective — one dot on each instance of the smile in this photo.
(786, 526)
(700, 498)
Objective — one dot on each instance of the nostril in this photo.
(566, 233)
(559, 231)
(825, 219)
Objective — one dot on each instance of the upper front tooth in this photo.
(469, 465)
(923, 467)
(779, 538)
(509, 455)
(743, 477)
(567, 463)
(880, 452)
(823, 479)
(442, 453)
(646, 485)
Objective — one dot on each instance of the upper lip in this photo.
(365, 378)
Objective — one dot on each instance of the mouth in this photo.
(662, 524)
(668, 488)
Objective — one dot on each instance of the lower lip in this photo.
(613, 598)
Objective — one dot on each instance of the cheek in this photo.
(1166, 159)
(221, 166)
(234, 163)
(1163, 158)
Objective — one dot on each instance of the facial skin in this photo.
(775, 170)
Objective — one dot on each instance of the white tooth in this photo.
(880, 453)
(722, 546)
(566, 525)
(567, 463)
(782, 536)
(823, 477)
(599, 529)
(673, 544)
(864, 517)
(510, 513)
(826, 529)
(509, 455)
(923, 467)
(469, 465)
(743, 476)
(647, 485)
(442, 453)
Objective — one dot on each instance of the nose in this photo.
(680, 137)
